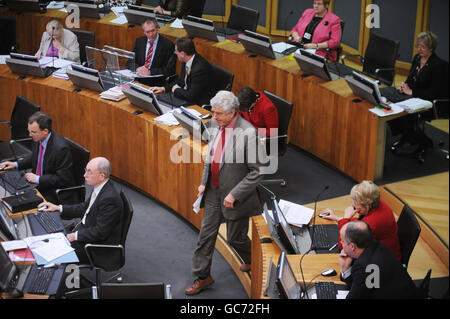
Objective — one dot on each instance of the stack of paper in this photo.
(167, 119)
(61, 74)
(113, 94)
(414, 105)
(395, 109)
(57, 63)
(3, 58)
(295, 214)
(55, 5)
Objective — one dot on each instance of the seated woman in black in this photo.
(428, 80)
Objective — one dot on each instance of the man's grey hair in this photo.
(104, 166)
(226, 100)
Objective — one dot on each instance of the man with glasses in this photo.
(50, 160)
(101, 214)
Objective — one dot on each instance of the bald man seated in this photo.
(101, 215)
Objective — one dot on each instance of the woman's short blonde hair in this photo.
(56, 25)
(429, 39)
(366, 193)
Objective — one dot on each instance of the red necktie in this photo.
(215, 165)
(41, 152)
(148, 59)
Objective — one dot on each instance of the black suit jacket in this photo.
(103, 223)
(57, 168)
(200, 82)
(395, 282)
(164, 60)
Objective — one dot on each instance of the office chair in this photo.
(8, 43)
(106, 257)
(85, 38)
(197, 7)
(223, 81)
(379, 59)
(440, 111)
(284, 116)
(408, 233)
(243, 18)
(20, 143)
(339, 49)
(77, 193)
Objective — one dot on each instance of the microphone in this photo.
(314, 216)
(53, 48)
(11, 142)
(223, 21)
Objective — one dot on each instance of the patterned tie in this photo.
(215, 165)
(41, 152)
(185, 78)
(148, 59)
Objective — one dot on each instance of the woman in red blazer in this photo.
(377, 214)
(319, 29)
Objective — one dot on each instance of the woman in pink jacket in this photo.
(319, 29)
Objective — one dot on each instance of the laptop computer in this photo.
(393, 95)
(259, 44)
(314, 64)
(201, 28)
(193, 124)
(92, 79)
(145, 99)
(28, 279)
(169, 99)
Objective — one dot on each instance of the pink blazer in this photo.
(329, 30)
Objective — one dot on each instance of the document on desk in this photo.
(50, 246)
(295, 214)
(14, 245)
(48, 61)
(177, 24)
(3, 58)
(167, 119)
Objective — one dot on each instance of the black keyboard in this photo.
(339, 69)
(289, 51)
(49, 223)
(41, 282)
(320, 237)
(326, 290)
(14, 182)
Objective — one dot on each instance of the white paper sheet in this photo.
(295, 214)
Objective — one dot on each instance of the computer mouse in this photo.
(329, 272)
(322, 215)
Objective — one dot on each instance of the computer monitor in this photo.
(143, 98)
(133, 291)
(314, 64)
(138, 14)
(193, 124)
(286, 282)
(364, 88)
(283, 229)
(7, 226)
(84, 77)
(26, 65)
(258, 43)
(88, 9)
(7, 270)
(25, 5)
(201, 28)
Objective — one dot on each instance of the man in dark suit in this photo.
(154, 54)
(370, 269)
(50, 160)
(228, 188)
(196, 83)
(101, 215)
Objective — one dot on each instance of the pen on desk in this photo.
(332, 247)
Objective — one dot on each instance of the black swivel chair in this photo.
(243, 18)
(8, 43)
(85, 38)
(223, 80)
(197, 7)
(80, 158)
(284, 116)
(408, 233)
(379, 58)
(13, 149)
(115, 253)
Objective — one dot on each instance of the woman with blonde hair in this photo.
(368, 207)
(59, 43)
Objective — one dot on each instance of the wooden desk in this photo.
(325, 121)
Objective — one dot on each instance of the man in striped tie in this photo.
(50, 160)
(154, 54)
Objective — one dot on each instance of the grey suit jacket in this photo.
(239, 172)
(69, 41)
